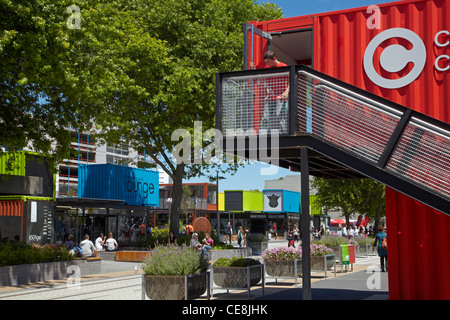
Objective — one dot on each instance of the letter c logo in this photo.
(395, 57)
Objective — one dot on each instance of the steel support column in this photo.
(305, 217)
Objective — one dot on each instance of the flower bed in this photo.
(168, 267)
(233, 273)
(280, 261)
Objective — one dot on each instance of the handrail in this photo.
(404, 143)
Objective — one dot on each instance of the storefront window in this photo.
(212, 194)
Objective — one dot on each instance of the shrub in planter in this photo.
(232, 272)
(258, 242)
(15, 253)
(280, 261)
(318, 251)
(166, 268)
(257, 237)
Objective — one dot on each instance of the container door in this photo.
(254, 39)
(292, 40)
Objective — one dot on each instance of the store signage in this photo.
(273, 201)
(396, 57)
(140, 187)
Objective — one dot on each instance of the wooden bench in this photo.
(93, 258)
(131, 256)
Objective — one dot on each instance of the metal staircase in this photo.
(350, 132)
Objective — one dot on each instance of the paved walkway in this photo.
(122, 281)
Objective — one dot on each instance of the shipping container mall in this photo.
(368, 96)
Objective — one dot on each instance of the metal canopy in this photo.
(349, 132)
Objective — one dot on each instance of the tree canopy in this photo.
(136, 69)
(352, 196)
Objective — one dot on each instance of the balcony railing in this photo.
(193, 203)
(399, 140)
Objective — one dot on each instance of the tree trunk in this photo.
(177, 195)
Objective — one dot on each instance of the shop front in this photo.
(111, 199)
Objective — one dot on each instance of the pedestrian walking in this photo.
(290, 238)
(381, 244)
(228, 232)
(240, 236)
(296, 233)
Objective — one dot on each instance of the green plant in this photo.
(15, 253)
(174, 260)
(236, 262)
(362, 241)
(332, 241)
(282, 254)
(222, 246)
(320, 250)
(256, 237)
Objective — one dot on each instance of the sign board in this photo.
(41, 220)
(273, 201)
(348, 254)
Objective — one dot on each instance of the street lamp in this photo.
(217, 202)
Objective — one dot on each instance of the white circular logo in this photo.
(395, 57)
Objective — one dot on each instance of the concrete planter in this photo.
(38, 272)
(258, 247)
(318, 263)
(174, 287)
(283, 268)
(236, 277)
(213, 255)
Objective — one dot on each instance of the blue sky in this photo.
(250, 177)
(293, 8)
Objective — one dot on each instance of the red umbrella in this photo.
(337, 221)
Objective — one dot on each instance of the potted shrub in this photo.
(333, 242)
(363, 243)
(318, 251)
(257, 242)
(282, 261)
(233, 272)
(166, 270)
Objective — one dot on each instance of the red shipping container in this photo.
(399, 51)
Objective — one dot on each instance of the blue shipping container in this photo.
(107, 181)
(279, 200)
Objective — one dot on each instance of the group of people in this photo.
(241, 235)
(87, 247)
(208, 243)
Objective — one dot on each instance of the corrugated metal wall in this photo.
(419, 257)
(11, 208)
(11, 219)
(418, 235)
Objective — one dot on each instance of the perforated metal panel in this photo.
(395, 139)
(256, 103)
(361, 127)
(423, 155)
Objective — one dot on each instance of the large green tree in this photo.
(352, 196)
(199, 38)
(137, 69)
(60, 61)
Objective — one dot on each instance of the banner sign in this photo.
(348, 254)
